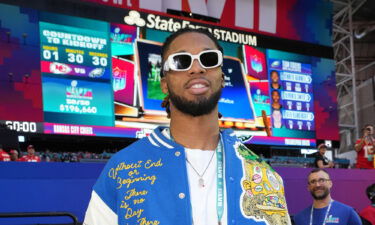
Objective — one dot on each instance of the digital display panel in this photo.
(260, 97)
(122, 38)
(234, 101)
(255, 60)
(291, 94)
(149, 58)
(74, 51)
(80, 73)
(123, 80)
(76, 70)
(77, 101)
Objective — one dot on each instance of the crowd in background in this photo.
(31, 155)
(363, 147)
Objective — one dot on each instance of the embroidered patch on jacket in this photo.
(262, 196)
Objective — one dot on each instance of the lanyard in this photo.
(220, 179)
(325, 217)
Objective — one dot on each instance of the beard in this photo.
(201, 106)
(320, 196)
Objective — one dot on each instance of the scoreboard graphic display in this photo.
(291, 92)
(93, 77)
(76, 71)
(67, 50)
(77, 101)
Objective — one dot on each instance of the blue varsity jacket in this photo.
(147, 184)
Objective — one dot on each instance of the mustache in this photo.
(319, 188)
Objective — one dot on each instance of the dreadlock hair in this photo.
(165, 104)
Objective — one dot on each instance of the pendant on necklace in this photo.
(201, 182)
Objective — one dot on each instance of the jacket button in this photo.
(231, 179)
(233, 221)
(181, 195)
(177, 153)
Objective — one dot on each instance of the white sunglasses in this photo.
(183, 61)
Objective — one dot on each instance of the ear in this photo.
(330, 183)
(164, 85)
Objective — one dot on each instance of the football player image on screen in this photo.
(275, 78)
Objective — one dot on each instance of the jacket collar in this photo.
(158, 139)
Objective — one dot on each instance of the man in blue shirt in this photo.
(324, 209)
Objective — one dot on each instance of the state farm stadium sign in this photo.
(170, 24)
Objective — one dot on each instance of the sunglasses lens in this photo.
(209, 59)
(182, 61)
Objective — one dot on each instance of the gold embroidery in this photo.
(263, 191)
(134, 199)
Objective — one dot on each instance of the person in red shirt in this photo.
(365, 148)
(368, 213)
(13, 155)
(30, 157)
(4, 156)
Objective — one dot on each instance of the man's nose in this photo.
(196, 67)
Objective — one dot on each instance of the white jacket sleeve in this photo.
(98, 213)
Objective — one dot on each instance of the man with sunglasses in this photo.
(324, 209)
(191, 172)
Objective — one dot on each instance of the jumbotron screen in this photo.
(79, 76)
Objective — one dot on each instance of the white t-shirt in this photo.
(203, 199)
